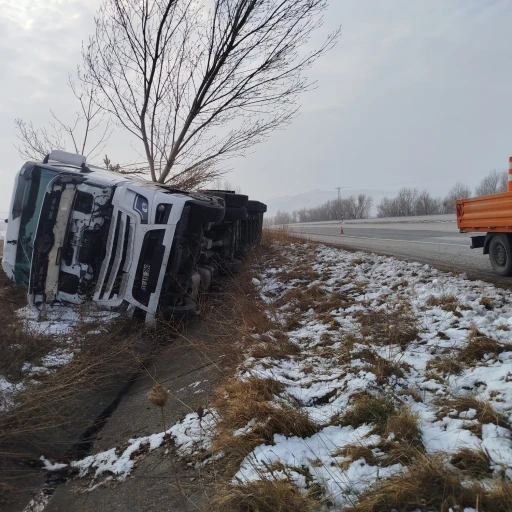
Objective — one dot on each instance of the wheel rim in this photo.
(500, 255)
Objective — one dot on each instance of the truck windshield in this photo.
(31, 209)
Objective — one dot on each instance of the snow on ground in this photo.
(62, 319)
(60, 323)
(435, 345)
(7, 391)
(375, 294)
(191, 437)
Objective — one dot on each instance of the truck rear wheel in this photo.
(233, 214)
(500, 254)
(256, 207)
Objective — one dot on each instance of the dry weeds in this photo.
(485, 412)
(429, 484)
(391, 327)
(478, 346)
(474, 463)
(367, 409)
(382, 368)
(240, 401)
(262, 496)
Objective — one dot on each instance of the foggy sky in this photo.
(416, 93)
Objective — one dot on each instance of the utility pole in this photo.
(339, 200)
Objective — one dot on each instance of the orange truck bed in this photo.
(485, 214)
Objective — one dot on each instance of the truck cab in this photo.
(78, 233)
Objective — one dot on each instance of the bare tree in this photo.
(218, 184)
(282, 217)
(361, 206)
(198, 86)
(493, 183)
(458, 191)
(403, 205)
(87, 134)
(427, 205)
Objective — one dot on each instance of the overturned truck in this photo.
(78, 233)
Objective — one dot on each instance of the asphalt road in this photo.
(436, 242)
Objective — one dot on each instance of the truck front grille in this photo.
(118, 247)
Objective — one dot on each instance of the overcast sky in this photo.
(416, 93)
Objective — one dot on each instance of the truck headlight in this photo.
(162, 213)
(141, 206)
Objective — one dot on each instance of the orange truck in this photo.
(492, 216)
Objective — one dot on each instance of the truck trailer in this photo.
(78, 233)
(490, 217)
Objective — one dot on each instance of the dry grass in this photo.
(272, 236)
(478, 346)
(240, 401)
(367, 409)
(487, 303)
(401, 438)
(405, 444)
(446, 302)
(57, 403)
(400, 284)
(485, 412)
(428, 484)
(475, 463)
(355, 452)
(54, 404)
(276, 345)
(18, 344)
(262, 496)
(392, 327)
(298, 273)
(300, 299)
(383, 369)
(444, 365)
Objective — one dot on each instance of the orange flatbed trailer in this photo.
(485, 214)
(491, 215)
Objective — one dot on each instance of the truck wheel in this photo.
(230, 268)
(500, 254)
(213, 213)
(186, 309)
(235, 213)
(231, 199)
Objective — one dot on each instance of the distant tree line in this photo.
(407, 203)
(353, 207)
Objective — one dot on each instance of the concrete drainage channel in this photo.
(180, 366)
(81, 448)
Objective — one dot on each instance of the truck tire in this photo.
(235, 214)
(230, 198)
(213, 213)
(231, 268)
(500, 254)
(256, 207)
(187, 309)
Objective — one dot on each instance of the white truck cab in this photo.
(79, 233)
